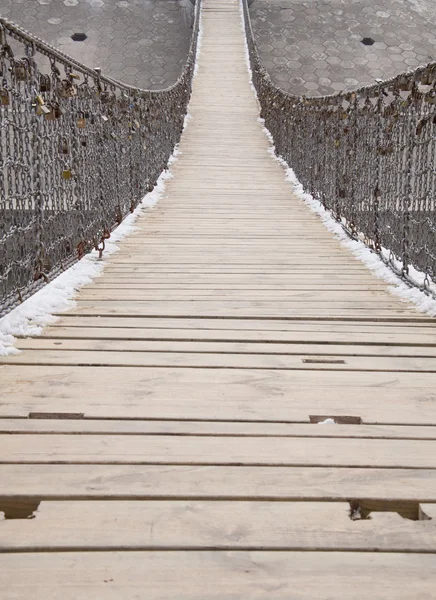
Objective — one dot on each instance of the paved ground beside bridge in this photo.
(325, 46)
(165, 430)
(310, 48)
(143, 43)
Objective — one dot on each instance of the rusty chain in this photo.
(368, 156)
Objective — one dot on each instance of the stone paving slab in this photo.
(140, 42)
(314, 47)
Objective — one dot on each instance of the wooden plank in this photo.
(201, 450)
(249, 278)
(384, 337)
(167, 271)
(240, 347)
(276, 295)
(388, 327)
(209, 285)
(329, 254)
(164, 232)
(189, 525)
(199, 259)
(120, 392)
(235, 574)
(213, 285)
(340, 362)
(145, 482)
(425, 327)
(112, 306)
(246, 307)
(333, 249)
(238, 310)
(229, 272)
(212, 428)
(252, 385)
(211, 267)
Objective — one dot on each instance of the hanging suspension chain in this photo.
(78, 153)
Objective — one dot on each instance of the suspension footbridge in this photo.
(164, 434)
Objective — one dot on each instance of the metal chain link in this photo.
(369, 156)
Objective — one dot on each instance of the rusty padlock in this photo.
(67, 89)
(54, 112)
(4, 97)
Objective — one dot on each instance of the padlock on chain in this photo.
(67, 89)
(44, 83)
(21, 69)
(81, 120)
(41, 106)
(54, 112)
(5, 99)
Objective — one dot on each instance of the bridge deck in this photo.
(227, 320)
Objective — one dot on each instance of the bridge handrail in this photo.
(368, 155)
(78, 151)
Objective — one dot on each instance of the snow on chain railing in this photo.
(368, 156)
(78, 152)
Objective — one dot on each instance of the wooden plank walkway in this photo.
(170, 451)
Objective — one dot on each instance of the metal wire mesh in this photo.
(78, 152)
(368, 156)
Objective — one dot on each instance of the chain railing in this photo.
(369, 156)
(78, 153)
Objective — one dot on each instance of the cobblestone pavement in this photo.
(141, 42)
(314, 47)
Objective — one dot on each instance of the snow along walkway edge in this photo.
(35, 313)
(29, 318)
